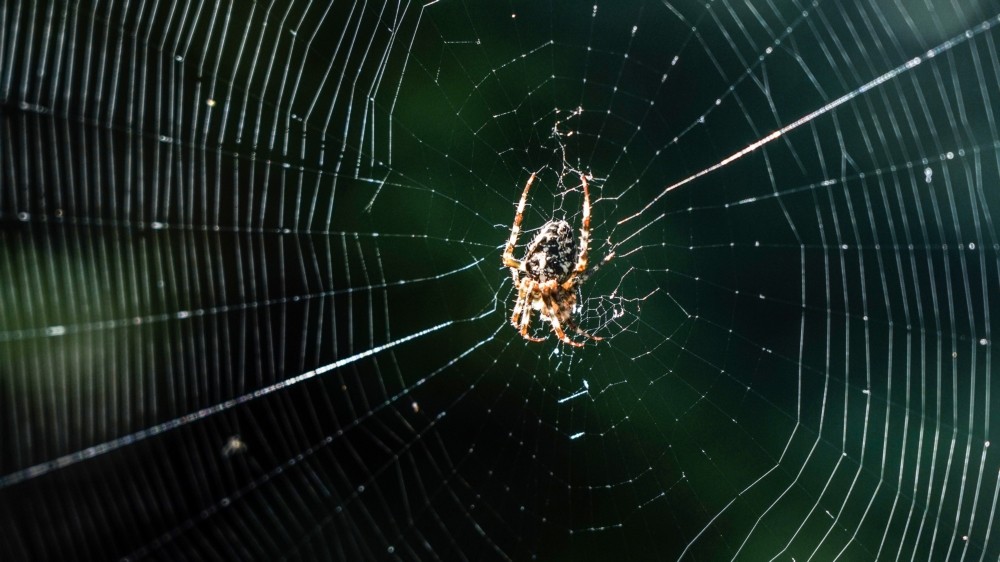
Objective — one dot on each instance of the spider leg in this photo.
(525, 323)
(581, 263)
(556, 326)
(578, 330)
(522, 311)
(518, 305)
(524, 330)
(508, 253)
(586, 274)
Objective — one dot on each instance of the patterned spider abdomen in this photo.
(552, 254)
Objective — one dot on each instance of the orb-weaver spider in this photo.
(548, 278)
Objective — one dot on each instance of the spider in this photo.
(547, 280)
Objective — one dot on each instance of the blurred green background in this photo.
(282, 223)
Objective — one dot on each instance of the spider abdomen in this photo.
(552, 254)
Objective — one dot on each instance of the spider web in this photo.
(252, 305)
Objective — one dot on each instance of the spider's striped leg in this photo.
(518, 305)
(525, 323)
(586, 274)
(508, 253)
(522, 311)
(581, 263)
(578, 330)
(550, 311)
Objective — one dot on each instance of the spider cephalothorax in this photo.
(549, 277)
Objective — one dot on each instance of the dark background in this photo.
(282, 223)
